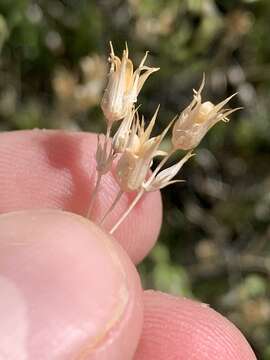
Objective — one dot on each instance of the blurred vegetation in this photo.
(214, 244)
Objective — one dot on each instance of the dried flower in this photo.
(121, 137)
(135, 162)
(195, 121)
(104, 156)
(123, 86)
(164, 177)
(132, 145)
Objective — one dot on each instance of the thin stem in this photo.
(118, 196)
(108, 131)
(94, 196)
(126, 213)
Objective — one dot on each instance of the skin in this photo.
(68, 290)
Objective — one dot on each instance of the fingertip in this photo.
(68, 289)
(178, 328)
(139, 232)
(143, 228)
(56, 170)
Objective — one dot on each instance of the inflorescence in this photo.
(132, 147)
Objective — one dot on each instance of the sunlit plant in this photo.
(132, 147)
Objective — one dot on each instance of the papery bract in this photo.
(135, 162)
(197, 119)
(164, 177)
(123, 86)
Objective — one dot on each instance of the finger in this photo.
(68, 291)
(181, 329)
(56, 169)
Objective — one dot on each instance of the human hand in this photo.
(67, 289)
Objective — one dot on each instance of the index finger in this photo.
(56, 169)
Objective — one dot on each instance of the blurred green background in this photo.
(214, 244)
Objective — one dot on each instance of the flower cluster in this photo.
(132, 146)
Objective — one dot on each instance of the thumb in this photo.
(68, 291)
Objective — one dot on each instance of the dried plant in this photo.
(132, 147)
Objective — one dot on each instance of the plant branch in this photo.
(118, 196)
(97, 185)
(93, 196)
(126, 213)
